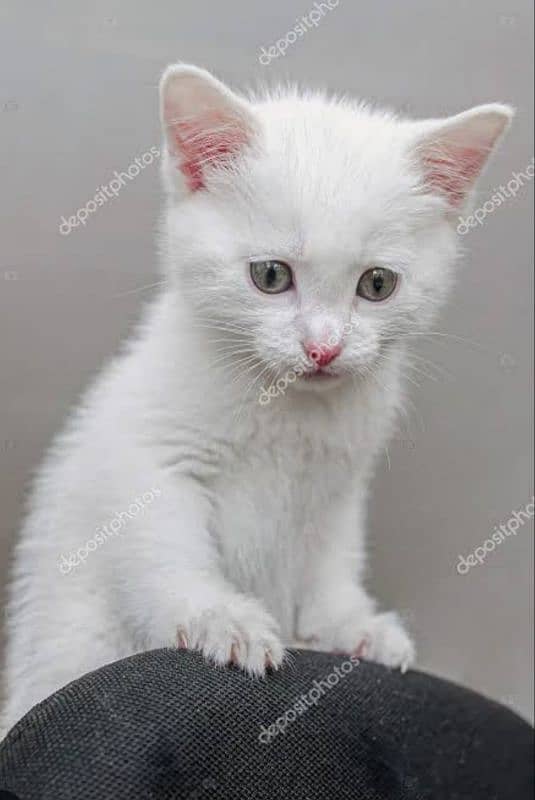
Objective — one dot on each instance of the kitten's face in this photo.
(314, 234)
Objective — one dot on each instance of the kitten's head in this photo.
(312, 231)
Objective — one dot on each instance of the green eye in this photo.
(377, 284)
(272, 277)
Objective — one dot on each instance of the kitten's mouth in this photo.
(319, 380)
(320, 375)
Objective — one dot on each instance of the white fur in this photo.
(255, 537)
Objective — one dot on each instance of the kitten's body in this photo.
(257, 512)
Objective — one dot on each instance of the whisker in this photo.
(139, 289)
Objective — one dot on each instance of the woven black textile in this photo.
(165, 725)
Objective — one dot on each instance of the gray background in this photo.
(78, 101)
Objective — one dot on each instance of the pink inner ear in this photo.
(451, 172)
(210, 140)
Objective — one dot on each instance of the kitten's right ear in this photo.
(205, 124)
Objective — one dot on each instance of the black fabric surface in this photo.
(166, 725)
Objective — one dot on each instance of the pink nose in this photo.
(322, 354)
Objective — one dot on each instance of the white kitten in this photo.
(251, 533)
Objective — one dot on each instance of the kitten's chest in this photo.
(285, 466)
(284, 483)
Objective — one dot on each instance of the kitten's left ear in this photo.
(205, 124)
(453, 151)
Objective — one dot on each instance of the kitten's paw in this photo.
(239, 632)
(380, 638)
(384, 640)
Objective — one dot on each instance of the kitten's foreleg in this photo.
(336, 614)
(183, 599)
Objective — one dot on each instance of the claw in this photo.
(360, 652)
(235, 653)
(269, 661)
(182, 639)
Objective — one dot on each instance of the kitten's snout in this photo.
(322, 353)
